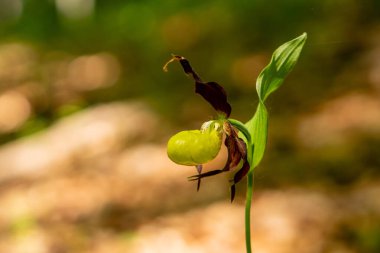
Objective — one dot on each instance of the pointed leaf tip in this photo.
(270, 79)
(283, 61)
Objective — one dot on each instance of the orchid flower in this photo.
(196, 147)
(245, 143)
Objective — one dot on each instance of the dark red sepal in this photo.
(212, 92)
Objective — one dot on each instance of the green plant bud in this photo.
(196, 147)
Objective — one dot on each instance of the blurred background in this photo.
(86, 110)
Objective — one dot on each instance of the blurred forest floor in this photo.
(94, 182)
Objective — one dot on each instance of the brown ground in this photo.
(94, 183)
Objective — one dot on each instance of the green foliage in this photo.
(283, 60)
(258, 128)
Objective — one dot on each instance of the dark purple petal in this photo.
(239, 175)
(215, 95)
(199, 169)
(237, 152)
(206, 174)
(237, 149)
(210, 91)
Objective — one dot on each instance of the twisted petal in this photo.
(237, 152)
(212, 92)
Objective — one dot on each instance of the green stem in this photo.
(248, 201)
(241, 127)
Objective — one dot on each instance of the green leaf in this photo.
(283, 60)
(258, 128)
